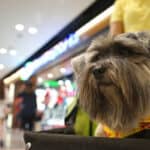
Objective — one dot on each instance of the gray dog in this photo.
(113, 78)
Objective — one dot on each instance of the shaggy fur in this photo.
(113, 80)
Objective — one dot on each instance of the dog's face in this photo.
(114, 82)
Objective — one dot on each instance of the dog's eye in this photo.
(126, 52)
(95, 58)
(123, 52)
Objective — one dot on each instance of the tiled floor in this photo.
(13, 140)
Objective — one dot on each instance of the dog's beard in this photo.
(121, 103)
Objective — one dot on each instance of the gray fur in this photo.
(119, 97)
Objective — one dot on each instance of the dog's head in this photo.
(114, 81)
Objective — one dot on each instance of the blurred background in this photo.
(38, 40)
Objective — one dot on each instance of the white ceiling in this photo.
(48, 16)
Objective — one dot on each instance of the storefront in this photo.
(55, 83)
(53, 98)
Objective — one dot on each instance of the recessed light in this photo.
(32, 30)
(19, 27)
(3, 51)
(12, 52)
(50, 75)
(40, 80)
(63, 70)
(2, 66)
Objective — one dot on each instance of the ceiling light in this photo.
(32, 30)
(63, 70)
(40, 80)
(19, 27)
(2, 66)
(50, 75)
(3, 51)
(13, 52)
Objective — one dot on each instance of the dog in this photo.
(113, 79)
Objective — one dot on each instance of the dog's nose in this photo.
(99, 71)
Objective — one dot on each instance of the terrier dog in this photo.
(113, 79)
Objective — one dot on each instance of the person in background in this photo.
(130, 16)
(28, 107)
(2, 118)
(1, 133)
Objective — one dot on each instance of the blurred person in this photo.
(1, 133)
(130, 16)
(2, 118)
(28, 107)
(17, 107)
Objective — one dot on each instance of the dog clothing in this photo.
(143, 125)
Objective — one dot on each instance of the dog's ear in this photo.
(144, 38)
(135, 42)
(78, 64)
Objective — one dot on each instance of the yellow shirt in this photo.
(135, 14)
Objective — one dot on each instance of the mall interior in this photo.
(38, 41)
